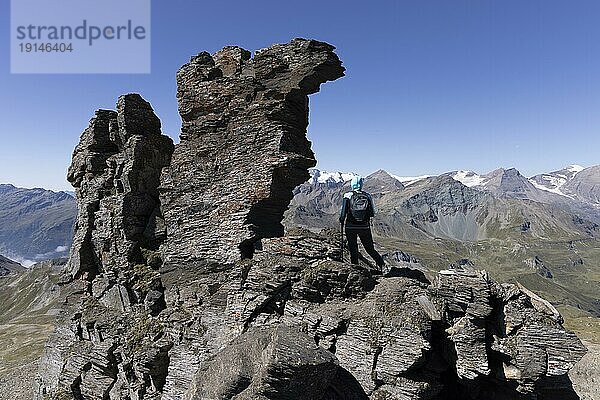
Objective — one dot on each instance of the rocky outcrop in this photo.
(537, 265)
(388, 337)
(502, 336)
(243, 147)
(116, 173)
(219, 305)
(113, 263)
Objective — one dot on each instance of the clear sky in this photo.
(431, 85)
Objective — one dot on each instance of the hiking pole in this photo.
(342, 242)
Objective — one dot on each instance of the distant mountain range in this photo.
(35, 224)
(464, 205)
(574, 182)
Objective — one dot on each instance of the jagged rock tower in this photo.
(111, 276)
(116, 173)
(243, 147)
(181, 288)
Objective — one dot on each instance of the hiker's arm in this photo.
(373, 211)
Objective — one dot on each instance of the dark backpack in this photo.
(360, 206)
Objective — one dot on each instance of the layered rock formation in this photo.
(243, 147)
(112, 275)
(116, 173)
(217, 306)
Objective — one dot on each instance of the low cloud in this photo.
(51, 254)
(23, 261)
(58, 252)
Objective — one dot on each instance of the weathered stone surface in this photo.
(507, 325)
(586, 374)
(387, 334)
(268, 362)
(243, 147)
(374, 332)
(116, 173)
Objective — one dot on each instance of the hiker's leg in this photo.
(352, 245)
(367, 240)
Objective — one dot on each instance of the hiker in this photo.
(357, 210)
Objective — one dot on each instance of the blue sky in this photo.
(431, 86)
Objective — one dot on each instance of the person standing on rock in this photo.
(357, 210)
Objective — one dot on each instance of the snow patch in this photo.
(318, 176)
(555, 190)
(575, 168)
(554, 182)
(409, 180)
(469, 178)
(21, 260)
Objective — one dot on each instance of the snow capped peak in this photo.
(318, 176)
(334, 178)
(555, 181)
(550, 184)
(574, 168)
(468, 178)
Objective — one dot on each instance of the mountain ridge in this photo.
(467, 177)
(35, 224)
(574, 185)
